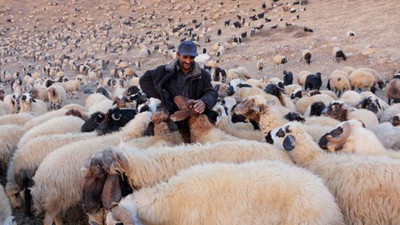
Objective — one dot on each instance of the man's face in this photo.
(185, 62)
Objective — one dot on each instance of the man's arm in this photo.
(147, 85)
(209, 94)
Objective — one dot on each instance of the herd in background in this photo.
(124, 160)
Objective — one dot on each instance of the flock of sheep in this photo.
(275, 150)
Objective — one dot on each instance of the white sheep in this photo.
(351, 98)
(94, 99)
(27, 159)
(155, 165)
(57, 96)
(17, 119)
(365, 186)
(5, 108)
(388, 134)
(388, 114)
(361, 78)
(13, 102)
(40, 92)
(6, 217)
(338, 81)
(102, 106)
(30, 105)
(303, 103)
(10, 135)
(302, 76)
(54, 195)
(229, 186)
(57, 125)
(279, 61)
(73, 86)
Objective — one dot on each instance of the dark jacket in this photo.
(199, 83)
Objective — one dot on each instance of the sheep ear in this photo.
(33, 100)
(111, 193)
(149, 130)
(289, 142)
(180, 115)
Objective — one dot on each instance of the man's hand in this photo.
(199, 106)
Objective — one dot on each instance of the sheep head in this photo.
(396, 120)
(115, 119)
(52, 92)
(370, 103)
(336, 138)
(94, 120)
(250, 109)
(336, 110)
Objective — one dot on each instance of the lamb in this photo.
(338, 110)
(362, 79)
(6, 217)
(27, 159)
(162, 203)
(9, 137)
(279, 60)
(338, 81)
(393, 90)
(17, 119)
(337, 53)
(159, 164)
(306, 55)
(30, 105)
(57, 125)
(54, 195)
(57, 96)
(364, 186)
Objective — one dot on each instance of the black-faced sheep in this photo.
(93, 122)
(337, 53)
(306, 55)
(279, 60)
(114, 120)
(162, 203)
(393, 90)
(287, 78)
(342, 112)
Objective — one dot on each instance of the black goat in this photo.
(313, 81)
(287, 78)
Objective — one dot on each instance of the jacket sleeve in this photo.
(209, 94)
(147, 85)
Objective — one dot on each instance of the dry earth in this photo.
(51, 28)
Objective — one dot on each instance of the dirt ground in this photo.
(28, 25)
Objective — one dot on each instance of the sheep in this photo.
(73, 86)
(388, 114)
(57, 125)
(159, 164)
(201, 130)
(52, 114)
(287, 78)
(9, 137)
(351, 98)
(342, 112)
(17, 119)
(393, 90)
(27, 159)
(13, 101)
(6, 217)
(94, 99)
(348, 69)
(279, 60)
(388, 134)
(265, 113)
(313, 81)
(30, 105)
(364, 186)
(5, 108)
(373, 104)
(278, 92)
(303, 103)
(162, 203)
(54, 195)
(362, 79)
(306, 55)
(302, 76)
(223, 122)
(337, 53)
(40, 92)
(57, 96)
(378, 78)
(338, 81)
(102, 106)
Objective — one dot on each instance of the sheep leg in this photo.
(50, 217)
(389, 101)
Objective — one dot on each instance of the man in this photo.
(181, 77)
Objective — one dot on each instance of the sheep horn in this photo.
(121, 214)
(341, 139)
(114, 118)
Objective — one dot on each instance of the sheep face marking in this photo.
(336, 138)
(336, 111)
(282, 138)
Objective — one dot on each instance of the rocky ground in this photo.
(37, 32)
